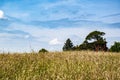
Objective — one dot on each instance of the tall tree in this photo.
(68, 45)
(94, 41)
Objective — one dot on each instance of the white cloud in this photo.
(1, 14)
(54, 42)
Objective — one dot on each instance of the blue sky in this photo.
(36, 24)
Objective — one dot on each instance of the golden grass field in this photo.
(76, 65)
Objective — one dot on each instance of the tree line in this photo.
(94, 41)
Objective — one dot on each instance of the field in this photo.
(76, 65)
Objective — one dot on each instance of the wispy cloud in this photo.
(112, 15)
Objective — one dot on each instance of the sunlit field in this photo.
(78, 65)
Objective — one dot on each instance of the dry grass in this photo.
(83, 65)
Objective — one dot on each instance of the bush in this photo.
(43, 50)
(115, 47)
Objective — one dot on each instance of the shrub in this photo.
(43, 50)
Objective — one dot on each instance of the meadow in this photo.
(71, 65)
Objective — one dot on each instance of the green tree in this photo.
(43, 50)
(115, 47)
(94, 41)
(68, 45)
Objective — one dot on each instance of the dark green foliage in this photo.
(115, 47)
(76, 48)
(96, 35)
(86, 46)
(68, 45)
(94, 41)
(43, 50)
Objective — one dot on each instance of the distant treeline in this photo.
(94, 41)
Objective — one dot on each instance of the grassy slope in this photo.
(84, 65)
